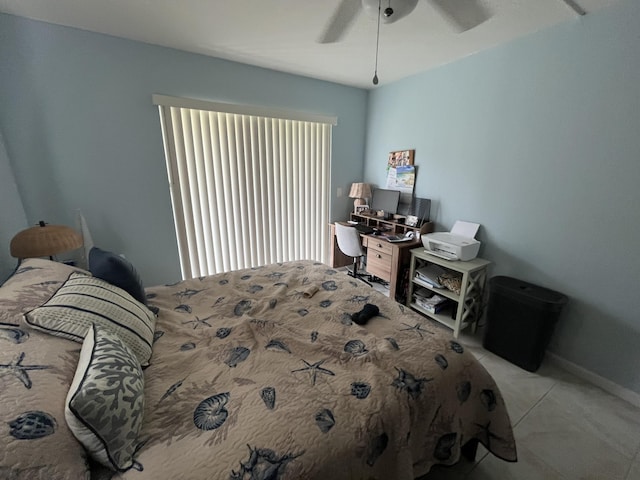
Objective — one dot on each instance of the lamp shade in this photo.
(360, 190)
(44, 241)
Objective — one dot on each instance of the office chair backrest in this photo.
(349, 240)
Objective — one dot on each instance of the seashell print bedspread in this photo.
(261, 374)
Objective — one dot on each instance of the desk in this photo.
(385, 259)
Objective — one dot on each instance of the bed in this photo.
(252, 374)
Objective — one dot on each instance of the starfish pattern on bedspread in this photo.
(416, 328)
(314, 369)
(199, 322)
(19, 371)
(223, 383)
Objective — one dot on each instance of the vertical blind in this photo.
(246, 190)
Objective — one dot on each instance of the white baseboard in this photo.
(607, 385)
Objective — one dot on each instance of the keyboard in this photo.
(366, 229)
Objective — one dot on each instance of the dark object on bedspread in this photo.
(276, 381)
(368, 311)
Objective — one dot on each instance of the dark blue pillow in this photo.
(117, 271)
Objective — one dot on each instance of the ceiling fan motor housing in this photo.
(400, 9)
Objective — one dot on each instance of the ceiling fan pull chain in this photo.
(375, 73)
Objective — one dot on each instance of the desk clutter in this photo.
(392, 205)
(438, 277)
(436, 274)
(387, 244)
(384, 232)
(431, 302)
(373, 224)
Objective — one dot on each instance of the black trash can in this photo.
(520, 320)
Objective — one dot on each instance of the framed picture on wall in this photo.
(400, 158)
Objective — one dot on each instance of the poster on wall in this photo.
(400, 158)
(401, 174)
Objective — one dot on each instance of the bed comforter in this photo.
(262, 374)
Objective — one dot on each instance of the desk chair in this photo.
(350, 244)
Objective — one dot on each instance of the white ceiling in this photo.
(282, 34)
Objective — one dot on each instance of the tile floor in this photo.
(565, 427)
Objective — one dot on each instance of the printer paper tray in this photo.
(446, 256)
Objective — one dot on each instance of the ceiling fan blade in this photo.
(340, 21)
(464, 14)
(573, 5)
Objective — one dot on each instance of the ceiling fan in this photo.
(463, 14)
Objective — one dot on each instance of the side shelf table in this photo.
(467, 305)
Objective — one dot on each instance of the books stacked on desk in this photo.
(429, 301)
(429, 274)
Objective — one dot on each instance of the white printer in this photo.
(458, 244)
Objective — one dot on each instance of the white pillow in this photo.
(105, 404)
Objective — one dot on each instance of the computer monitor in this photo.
(386, 200)
(419, 207)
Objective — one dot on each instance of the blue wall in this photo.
(12, 216)
(81, 131)
(539, 141)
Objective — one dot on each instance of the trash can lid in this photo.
(527, 291)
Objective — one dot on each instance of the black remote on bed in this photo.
(367, 312)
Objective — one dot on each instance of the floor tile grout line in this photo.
(514, 427)
(555, 382)
(633, 460)
(477, 463)
(613, 446)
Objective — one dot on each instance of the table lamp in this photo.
(359, 191)
(44, 240)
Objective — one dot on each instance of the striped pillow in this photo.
(83, 301)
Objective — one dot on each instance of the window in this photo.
(249, 187)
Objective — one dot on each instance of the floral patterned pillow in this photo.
(105, 404)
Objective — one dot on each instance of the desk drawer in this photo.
(379, 245)
(379, 264)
